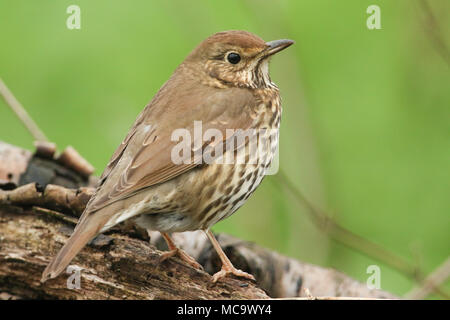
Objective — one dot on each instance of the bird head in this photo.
(234, 59)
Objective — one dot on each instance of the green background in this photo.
(366, 120)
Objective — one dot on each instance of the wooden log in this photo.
(113, 267)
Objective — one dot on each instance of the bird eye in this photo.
(233, 57)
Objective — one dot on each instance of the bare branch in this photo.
(433, 281)
(21, 113)
(52, 196)
(432, 27)
(352, 240)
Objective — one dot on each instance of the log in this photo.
(112, 267)
(37, 218)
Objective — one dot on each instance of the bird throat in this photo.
(260, 77)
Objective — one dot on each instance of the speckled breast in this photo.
(236, 182)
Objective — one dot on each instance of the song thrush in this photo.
(223, 84)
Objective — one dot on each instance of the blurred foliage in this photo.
(366, 119)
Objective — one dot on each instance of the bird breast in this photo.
(239, 180)
(211, 192)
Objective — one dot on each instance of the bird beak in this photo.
(276, 46)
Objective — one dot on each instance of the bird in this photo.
(165, 184)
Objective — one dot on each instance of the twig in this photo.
(52, 196)
(70, 158)
(339, 233)
(434, 30)
(21, 113)
(434, 280)
(352, 240)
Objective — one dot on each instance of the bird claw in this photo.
(225, 271)
(183, 256)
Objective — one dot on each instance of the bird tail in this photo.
(83, 233)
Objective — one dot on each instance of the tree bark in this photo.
(40, 201)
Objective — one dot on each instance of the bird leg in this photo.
(227, 266)
(175, 251)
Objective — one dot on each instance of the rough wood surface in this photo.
(37, 218)
(114, 266)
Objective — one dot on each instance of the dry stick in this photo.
(352, 240)
(435, 32)
(434, 280)
(21, 113)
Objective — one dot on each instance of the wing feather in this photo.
(143, 159)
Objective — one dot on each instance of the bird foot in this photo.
(183, 256)
(226, 270)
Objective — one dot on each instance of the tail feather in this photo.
(84, 232)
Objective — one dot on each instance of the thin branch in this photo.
(21, 113)
(352, 240)
(435, 32)
(434, 280)
(50, 196)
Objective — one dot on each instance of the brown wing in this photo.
(119, 151)
(144, 157)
